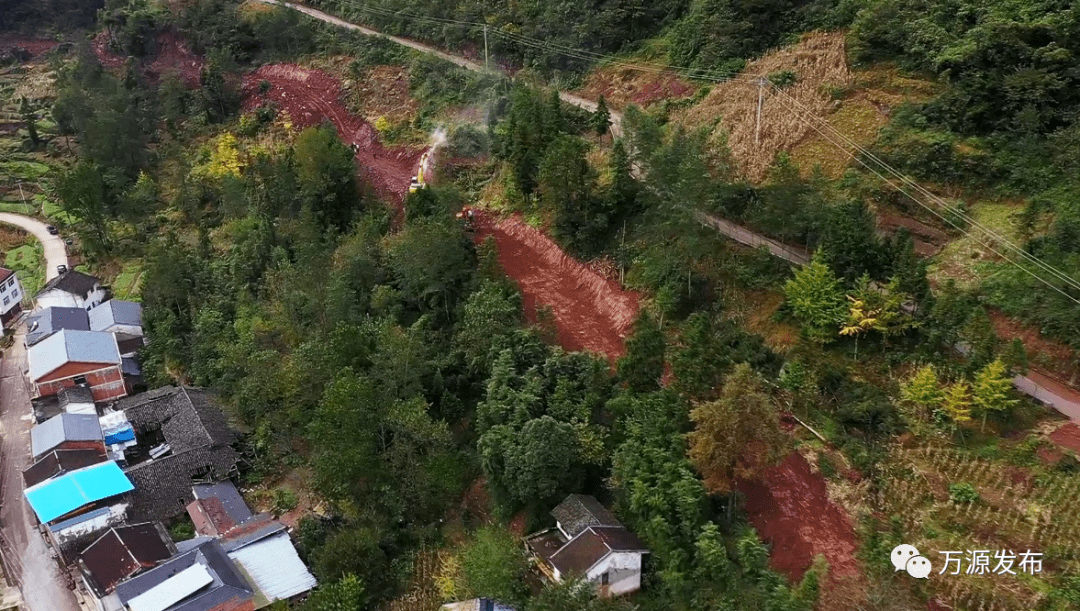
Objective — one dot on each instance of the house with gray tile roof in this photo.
(72, 289)
(191, 440)
(46, 321)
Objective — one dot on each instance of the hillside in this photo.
(447, 307)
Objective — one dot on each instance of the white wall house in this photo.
(72, 289)
(11, 295)
(588, 542)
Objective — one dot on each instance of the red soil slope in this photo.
(174, 54)
(313, 96)
(591, 313)
(791, 510)
(36, 46)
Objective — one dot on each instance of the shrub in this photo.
(963, 492)
(782, 78)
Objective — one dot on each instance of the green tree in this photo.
(493, 565)
(737, 435)
(346, 594)
(84, 195)
(533, 465)
(327, 176)
(567, 185)
(432, 264)
(643, 365)
(601, 118)
(992, 390)
(923, 392)
(26, 111)
(816, 299)
(491, 311)
(573, 595)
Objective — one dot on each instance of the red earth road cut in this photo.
(791, 510)
(312, 96)
(591, 312)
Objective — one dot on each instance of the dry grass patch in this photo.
(857, 119)
(819, 64)
(622, 86)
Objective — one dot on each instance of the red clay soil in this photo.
(1064, 361)
(173, 55)
(1067, 436)
(313, 96)
(591, 312)
(36, 46)
(791, 510)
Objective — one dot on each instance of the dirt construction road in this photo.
(55, 252)
(25, 553)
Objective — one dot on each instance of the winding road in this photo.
(53, 245)
(1036, 385)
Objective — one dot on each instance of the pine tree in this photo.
(30, 119)
(923, 392)
(817, 299)
(993, 390)
(643, 365)
(602, 117)
(957, 403)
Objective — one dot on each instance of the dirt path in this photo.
(591, 312)
(313, 96)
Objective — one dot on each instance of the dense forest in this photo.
(375, 345)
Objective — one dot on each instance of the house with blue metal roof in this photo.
(82, 502)
(71, 357)
(46, 321)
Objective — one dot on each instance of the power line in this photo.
(794, 108)
(934, 198)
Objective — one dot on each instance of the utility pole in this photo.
(760, 94)
(485, 48)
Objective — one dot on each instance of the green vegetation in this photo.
(387, 355)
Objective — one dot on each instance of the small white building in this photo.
(589, 543)
(11, 296)
(72, 289)
(123, 318)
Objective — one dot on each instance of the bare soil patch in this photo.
(928, 240)
(174, 54)
(591, 313)
(790, 508)
(1057, 359)
(311, 97)
(624, 86)
(1067, 436)
(36, 46)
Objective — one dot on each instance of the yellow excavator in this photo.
(418, 180)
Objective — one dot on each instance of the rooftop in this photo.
(62, 495)
(580, 511)
(58, 462)
(45, 322)
(5, 273)
(163, 485)
(71, 346)
(274, 567)
(591, 546)
(73, 282)
(75, 394)
(200, 579)
(217, 508)
(63, 427)
(115, 312)
(122, 552)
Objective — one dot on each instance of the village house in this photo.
(257, 543)
(588, 542)
(181, 439)
(67, 432)
(58, 462)
(44, 322)
(120, 554)
(11, 296)
(121, 318)
(72, 289)
(75, 505)
(70, 358)
(201, 577)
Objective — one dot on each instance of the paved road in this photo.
(24, 549)
(55, 251)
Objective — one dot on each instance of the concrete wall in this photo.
(61, 299)
(623, 570)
